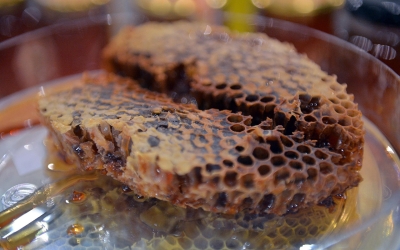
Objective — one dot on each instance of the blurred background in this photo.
(372, 25)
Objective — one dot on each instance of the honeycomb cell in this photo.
(334, 100)
(301, 231)
(291, 154)
(235, 118)
(247, 181)
(345, 121)
(310, 118)
(216, 244)
(335, 87)
(213, 168)
(312, 174)
(236, 86)
(267, 99)
(299, 178)
(347, 104)
(185, 243)
(264, 170)
(233, 244)
(266, 203)
(221, 86)
(252, 98)
(328, 120)
(308, 160)
(325, 168)
(278, 161)
(296, 165)
(286, 141)
(339, 109)
(201, 243)
(353, 113)
(281, 175)
(260, 153)
(237, 128)
(230, 179)
(228, 163)
(304, 149)
(239, 148)
(275, 145)
(320, 155)
(245, 160)
(341, 96)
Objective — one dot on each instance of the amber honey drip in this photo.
(78, 196)
(75, 229)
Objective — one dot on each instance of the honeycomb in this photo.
(215, 160)
(111, 216)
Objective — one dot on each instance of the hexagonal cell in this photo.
(237, 128)
(236, 86)
(267, 202)
(264, 170)
(266, 99)
(342, 96)
(328, 120)
(228, 163)
(334, 100)
(312, 174)
(308, 160)
(278, 161)
(296, 165)
(252, 98)
(353, 113)
(221, 86)
(216, 243)
(260, 153)
(303, 149)
(345, 121)
(235, 118)
(245, 160)
(291, 154)
(247, 181)
(325, 168)
(281, 175)
(275, 145)
(310, 118)
(286, 141)
(320, 155)
(213, 168)
(339, 109)
(230, 179)
(201, 243)
(347, 104)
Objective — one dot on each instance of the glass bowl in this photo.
(50, 58)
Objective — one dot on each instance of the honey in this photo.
(75, 229)
(78, 196)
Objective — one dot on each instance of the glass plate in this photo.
(104, 214)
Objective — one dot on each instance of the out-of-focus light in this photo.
(144, 4)
(337, 3)
(160, 7)
(393, 8)
(184, 7)
(304, 6)
(389, 150)
(261, 3)
(216, 4)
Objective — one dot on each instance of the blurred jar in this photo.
(55, 10)
(297, 7)
(168, 9)
(374, 26)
